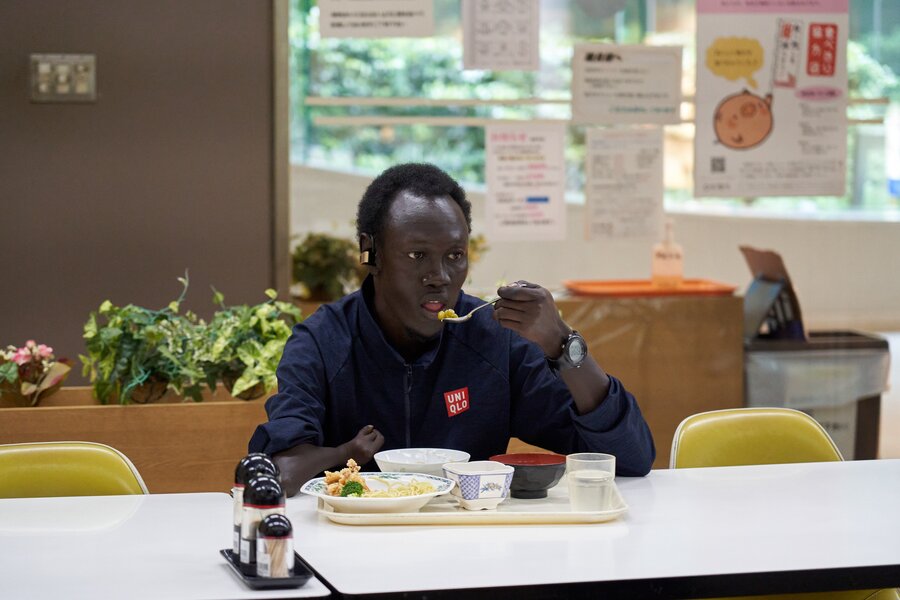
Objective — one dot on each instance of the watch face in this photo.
(576, 350)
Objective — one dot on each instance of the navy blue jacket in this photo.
(478, 385)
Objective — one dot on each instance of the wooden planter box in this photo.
(176, 445)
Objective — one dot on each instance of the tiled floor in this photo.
(889, 437)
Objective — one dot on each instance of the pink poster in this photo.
(771, 98)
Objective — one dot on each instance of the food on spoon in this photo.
(446, 314)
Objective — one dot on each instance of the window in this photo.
(363, 105)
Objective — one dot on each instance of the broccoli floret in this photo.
(352, 488)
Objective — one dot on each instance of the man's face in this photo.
(421, 267)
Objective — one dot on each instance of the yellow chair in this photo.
(46, 469)
(750, 436)
(761, 436)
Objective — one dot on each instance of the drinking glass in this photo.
(591, 477)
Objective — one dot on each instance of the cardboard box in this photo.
(678, 355)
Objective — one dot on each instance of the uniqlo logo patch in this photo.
(457, 401)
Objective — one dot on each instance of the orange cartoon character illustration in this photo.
(743, 120)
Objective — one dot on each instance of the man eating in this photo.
(379, 369)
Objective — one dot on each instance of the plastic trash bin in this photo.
(837, 377)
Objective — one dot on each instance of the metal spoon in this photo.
(465, 318)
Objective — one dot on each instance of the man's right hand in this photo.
(363, 447)
(303, 462)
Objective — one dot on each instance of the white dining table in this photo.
(686, 533)
(158, 546)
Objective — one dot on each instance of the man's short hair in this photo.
(420, 179)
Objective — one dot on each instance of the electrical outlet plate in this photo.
(63, 78)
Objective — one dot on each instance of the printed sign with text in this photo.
(526, 181)
(771, 106)
(613, 83)
(376, 18)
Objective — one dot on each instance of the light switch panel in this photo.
(63, 78)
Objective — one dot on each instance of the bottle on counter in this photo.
(667, 269)
(275, 547)
(263, 496)
(251, 465)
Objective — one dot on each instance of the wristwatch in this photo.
(574, 351)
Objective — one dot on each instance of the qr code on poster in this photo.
(717, 164)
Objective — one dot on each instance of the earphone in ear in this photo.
(367, 257)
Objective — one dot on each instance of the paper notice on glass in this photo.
(892, 149)
(501, 34)
(376, 18)
(526, 181)
(623, 191)
(771, 106)
(614, 84)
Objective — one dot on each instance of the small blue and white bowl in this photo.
(480, 484)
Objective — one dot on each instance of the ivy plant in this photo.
(135, 353)
(244, 344)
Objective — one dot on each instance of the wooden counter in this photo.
(176, 445)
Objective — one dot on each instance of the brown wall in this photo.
(170, 169)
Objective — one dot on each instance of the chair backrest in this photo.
(46, 469)
(750, 436)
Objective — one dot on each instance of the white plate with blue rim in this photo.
(413, 486)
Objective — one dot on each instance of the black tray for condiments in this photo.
(301, 574)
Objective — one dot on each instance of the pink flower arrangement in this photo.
(30, 372)
(29, 352)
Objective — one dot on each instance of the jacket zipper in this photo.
(408, 390)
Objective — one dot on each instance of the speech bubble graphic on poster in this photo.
(735, 58)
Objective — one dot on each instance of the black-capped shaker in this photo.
(275, 547)
(249, 466)
(263, 496)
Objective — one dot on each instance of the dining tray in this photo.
(646, 287)
(301, 575)
(444, 510)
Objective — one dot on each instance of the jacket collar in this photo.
(373, 339)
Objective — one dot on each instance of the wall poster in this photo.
(501, 35)
(623, 190)
(525, 173)
(771, 105)
(376, 18)
(614, 83)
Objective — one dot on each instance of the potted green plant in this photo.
(478, 247)
(30, 373)
(244, 344)
(326, 267)
(183, 346)
(135, 353)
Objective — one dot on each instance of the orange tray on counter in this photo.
(645, 287)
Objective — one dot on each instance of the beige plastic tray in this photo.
(444, 510)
